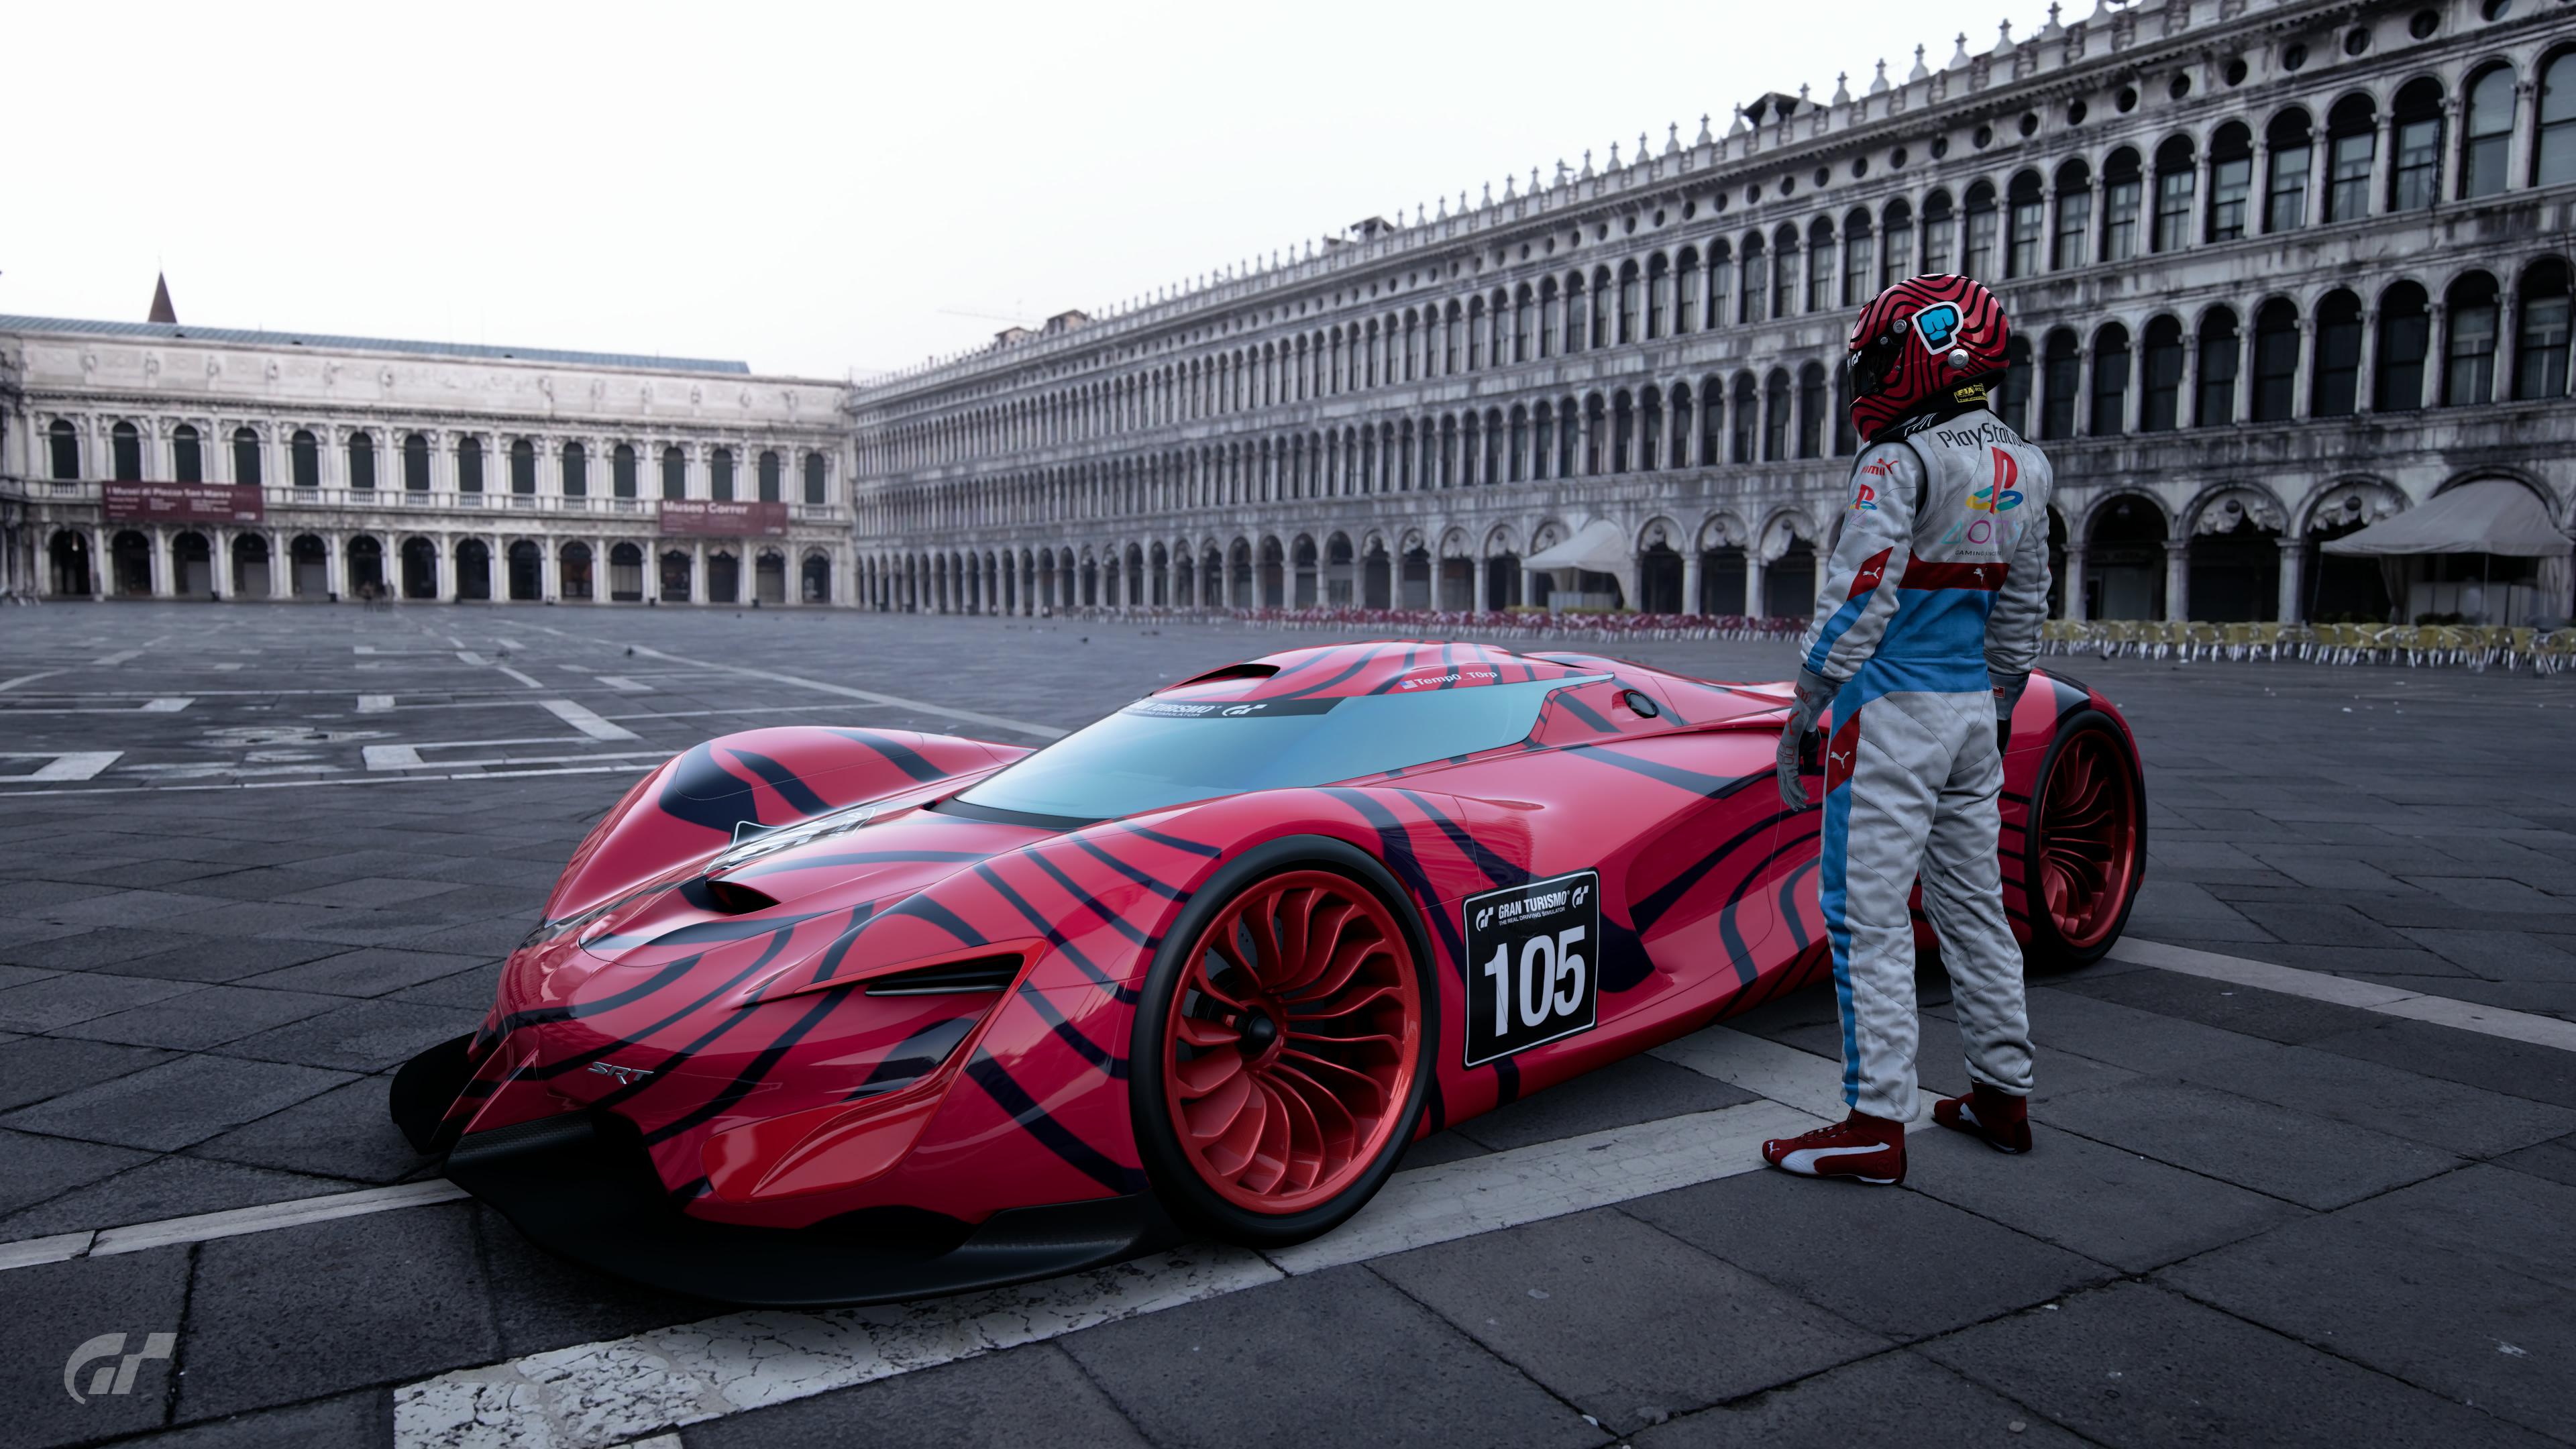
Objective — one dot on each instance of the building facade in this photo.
(2275, 270)
(155, 460)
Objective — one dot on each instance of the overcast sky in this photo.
(815, 189)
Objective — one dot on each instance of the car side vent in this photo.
(952, 978)
(731, 898)
(1231, 671)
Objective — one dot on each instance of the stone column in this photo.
(550, 570)
(219, 561)
(2082, 421)
(2303, 391)
(2294, 559)
(2365, 385)
(698, 571)
(1755, 566)
(1690, 580)
(2437, 355)
(164, 563)
(102, 569)
(2187, 405)
(2242, 408)
(2074, 579)
(2517, 162)
(2382, 162)
(2178, 578)
(2508, 351)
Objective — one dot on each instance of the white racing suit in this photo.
(1925, 631)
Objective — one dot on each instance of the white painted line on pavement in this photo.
(228, 668)
(204, 1226)
(621, 684)
(393, 757)
(968, 716)
(31, 1252)
(166, 706)
(78, 765)
(106, 661)
(470, 657)
(375, 703)
(585, 720)
(2496, 1021)
(522, 678)
(9, 684)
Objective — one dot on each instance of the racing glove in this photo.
(2007, 691)
(1813, 693)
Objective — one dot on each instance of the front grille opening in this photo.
(951, 978)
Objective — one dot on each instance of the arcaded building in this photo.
(160, 460)
(2276, 269)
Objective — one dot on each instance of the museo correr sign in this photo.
(710, 518)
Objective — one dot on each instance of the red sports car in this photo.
(847, 1015)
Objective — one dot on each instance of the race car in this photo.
(827, 1015)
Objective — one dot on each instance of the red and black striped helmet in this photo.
(1921, 339)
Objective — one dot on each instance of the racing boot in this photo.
(1990, 1114)
(1861, 1147)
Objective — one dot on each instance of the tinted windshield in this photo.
(1157, 752)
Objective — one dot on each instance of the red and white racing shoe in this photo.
(1991, 1115)
(1861, 1147)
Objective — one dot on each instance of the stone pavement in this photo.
(2253, 1218)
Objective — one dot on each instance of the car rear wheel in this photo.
(2085, 849)
(1282, 1044)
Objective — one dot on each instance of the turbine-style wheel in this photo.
(1288, 1038)
(2086, 841)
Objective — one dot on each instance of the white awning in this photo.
(2489, 517)
(1600, 546)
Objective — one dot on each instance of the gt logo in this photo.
(1999, 495)
(624, 1075)
(1239, 710)
(117, 1378)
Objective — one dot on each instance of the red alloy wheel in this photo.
(2088, 838)
(1293, 1042)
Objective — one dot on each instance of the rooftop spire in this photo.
(162, 311)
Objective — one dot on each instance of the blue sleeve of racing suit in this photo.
(1860, 587)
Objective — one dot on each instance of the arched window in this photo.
(1658, 283)
(816, 496)
(2074, 216)
(1679, 454)
(1712, 422)
(2231, 181)
(2023, 226)
(62, 442)
(2012, 391)
(187, 458)
(1775, 416)
(773, 472)
(1940, 234)
(675, 473)
(1748, 414)
(1784, 273)
(2123, 193)
(1601, 300)
(1757, 281)
(2352, 145)
(1688, 309)
(2486, 134)
(1623, 428)
(523, 466)
(469, 465)
(1575, 309)
(415, 464)
(2177, 177)
(2337, 387)
(1475, 333)
(2110, 382)
(1628, 302)
(576, 470)
(1812, 404)
(1896, 243)
(125, 452)
(2405, 335)
(2160, 360)
(720, 475)
(246, 456)
(2285, 190)
(362, 462)
(2540, 352)
(1721, 283)
(1977, 259)
(2553, 160)
(1820, 266)
(2062, 376)
(1860, 259)
(621, 471)
(2417, 177)
(2220, 348)
(2469, 361)
(2276, 360)
(304, 459)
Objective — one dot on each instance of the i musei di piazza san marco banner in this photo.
(181, 502)
(710, 518)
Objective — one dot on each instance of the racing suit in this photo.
(1925, 632)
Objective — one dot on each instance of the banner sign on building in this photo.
(181, 502)
(708, 518)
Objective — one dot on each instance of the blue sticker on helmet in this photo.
(1936, 324)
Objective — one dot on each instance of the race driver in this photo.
(1924, 636)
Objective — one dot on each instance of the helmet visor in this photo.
(1871, 365)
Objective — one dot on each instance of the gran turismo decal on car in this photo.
(1529, 958)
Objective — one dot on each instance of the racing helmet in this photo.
(1924, 338)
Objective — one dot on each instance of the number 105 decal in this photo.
(1529, 964)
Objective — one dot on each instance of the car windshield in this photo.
(1157, 753)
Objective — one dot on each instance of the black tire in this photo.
(1184, 1194)
(2049, 949)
